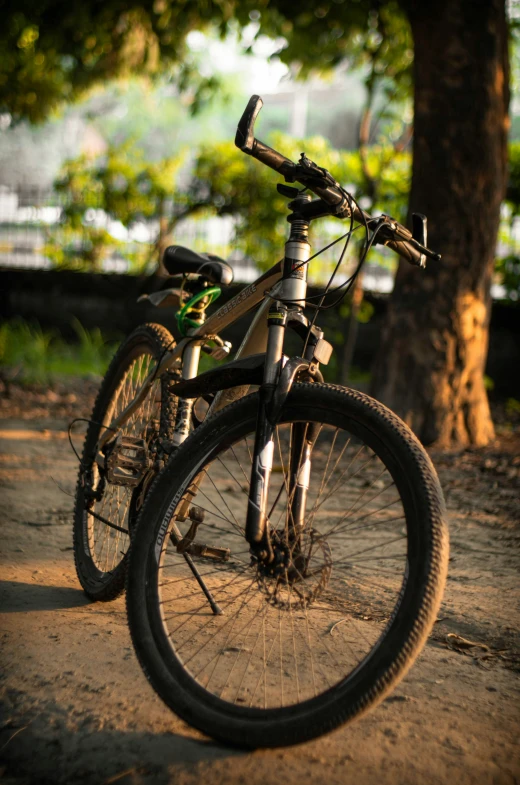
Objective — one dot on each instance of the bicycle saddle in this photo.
(179, 260)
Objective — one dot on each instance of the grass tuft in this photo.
(31, 355)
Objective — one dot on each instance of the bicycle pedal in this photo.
(128, 461)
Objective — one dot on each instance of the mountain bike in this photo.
(287, 563)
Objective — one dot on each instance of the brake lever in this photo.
(390, 229)
(436, 257)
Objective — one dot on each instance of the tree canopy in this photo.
(51, 52)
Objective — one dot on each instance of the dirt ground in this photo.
(75, 707)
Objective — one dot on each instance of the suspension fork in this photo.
(293, 291)
(302, 440)
(256, 519)
(303, 436)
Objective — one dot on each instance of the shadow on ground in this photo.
(17, 596)
(50, 748)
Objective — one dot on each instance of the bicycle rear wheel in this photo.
(296, 651)
(105, 512)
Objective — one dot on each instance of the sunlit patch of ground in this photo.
(77, 708)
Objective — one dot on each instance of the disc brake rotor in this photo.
(296, 581)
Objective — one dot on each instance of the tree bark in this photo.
(347, 356)
(430, 365)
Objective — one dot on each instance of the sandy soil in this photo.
(75, 707)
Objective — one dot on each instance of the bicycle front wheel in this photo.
(261, 657)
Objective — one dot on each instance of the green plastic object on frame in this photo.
(183, 320)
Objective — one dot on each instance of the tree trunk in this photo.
(347, 357)
(430, 366)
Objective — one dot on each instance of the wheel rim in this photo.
(107, 546)
(283, 640)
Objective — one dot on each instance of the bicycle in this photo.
(288, 563)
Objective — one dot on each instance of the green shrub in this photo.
(34, 356)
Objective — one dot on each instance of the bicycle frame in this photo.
(281, 290)
(187, 351)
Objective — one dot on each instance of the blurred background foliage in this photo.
(120, 185)
(217, 180)
(31, 355)
(159, 87)
(53, 53)
(165, 136)
(508, 264)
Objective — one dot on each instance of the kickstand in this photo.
(176, 537)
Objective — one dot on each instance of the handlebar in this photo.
(337, 202)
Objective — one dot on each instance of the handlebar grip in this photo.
(408, 252)
(245, 135)
(271, 158)
(245, 140)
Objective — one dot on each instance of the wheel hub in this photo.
(297, 575)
